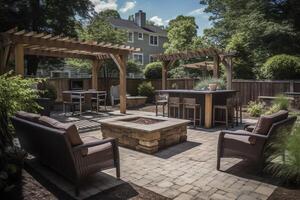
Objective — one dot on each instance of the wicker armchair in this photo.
(62, 150)
(249, 145)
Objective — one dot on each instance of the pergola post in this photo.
(229, 73)
(95, 69)
(120, 60)
(216, 72)
(164, 77)
(19, 59)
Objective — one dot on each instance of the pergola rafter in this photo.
(44, 44)
(218, 57)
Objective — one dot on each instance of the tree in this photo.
(181, 33)
(53, 16)
(255, 29)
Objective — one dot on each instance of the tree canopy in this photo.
(256, 29)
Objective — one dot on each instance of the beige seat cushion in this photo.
(95, 149)
(28, 116)
(70, 129)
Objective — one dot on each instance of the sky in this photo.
(158, 11)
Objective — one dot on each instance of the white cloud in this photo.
(101, 5)
(157, 20)
(128, 6)
(196, 12)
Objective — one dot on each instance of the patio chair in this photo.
(190, 104)
(68, 101)
(250, 145)
(59, 147)
(114, 94)
(101, 99)
(174, 104)
(161, 100)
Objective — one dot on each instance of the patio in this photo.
(184, 171)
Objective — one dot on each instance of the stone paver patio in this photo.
(188, 171)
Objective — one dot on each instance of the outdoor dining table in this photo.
(79, 95)
(206, 98)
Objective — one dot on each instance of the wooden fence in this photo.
(249, 90)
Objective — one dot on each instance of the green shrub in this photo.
(16, 93)
(146, 89)
(282, 67)
(47, 90)
(286, 168)
(153, 70)
(280, 103)
(133, 67)
(203, 85)
(255, 109)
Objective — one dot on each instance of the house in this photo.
(149, 38)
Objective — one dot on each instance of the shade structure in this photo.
(218, 56)
(44, 44)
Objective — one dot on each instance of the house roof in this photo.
(127, 24)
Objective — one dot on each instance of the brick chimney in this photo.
(140, 18)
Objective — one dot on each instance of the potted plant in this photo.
(47, 97)
(16, 94)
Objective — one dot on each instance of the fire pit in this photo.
(147, 134)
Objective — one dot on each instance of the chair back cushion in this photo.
(50, 146)
(69, 128)
(28, 116)
(265, 122)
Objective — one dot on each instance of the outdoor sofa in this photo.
(251, 144)
(59, 147)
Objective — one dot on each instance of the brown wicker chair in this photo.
(53, 148)
(245, 144)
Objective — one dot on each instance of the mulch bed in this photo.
(285, 194)
(29, 188)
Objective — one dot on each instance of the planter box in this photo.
(135, 101)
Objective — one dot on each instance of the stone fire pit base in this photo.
(149, 138)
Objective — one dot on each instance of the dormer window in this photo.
(130, 37)
(140, 36)
(153, 40)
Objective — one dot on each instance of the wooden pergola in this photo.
(20, 43)
(218, 57)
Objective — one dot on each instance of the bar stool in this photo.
(161, 99)
(238, 110)
(190, 104)
(173, 104)
(229, 108)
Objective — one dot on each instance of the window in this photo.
(130, 37)
(151, 59)
(153, 40)
(139, 58)
(141, 36)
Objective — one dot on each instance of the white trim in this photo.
(130, 41)
(142, 36)
(155, 45)
(140, 54)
